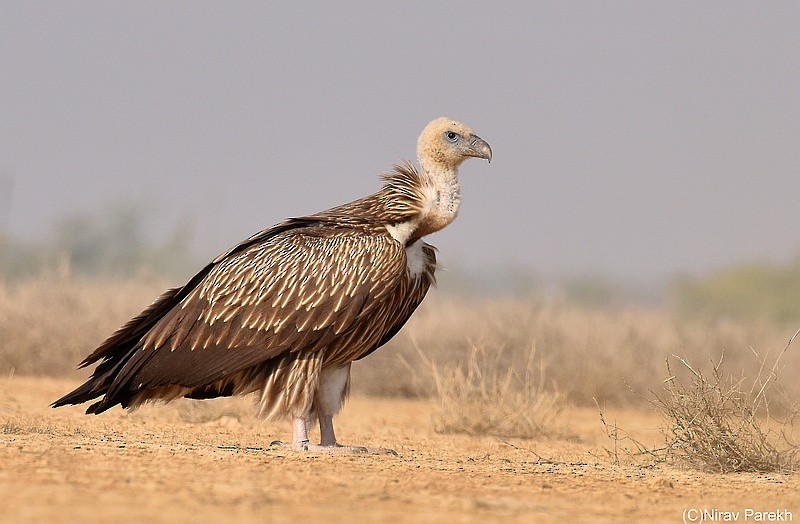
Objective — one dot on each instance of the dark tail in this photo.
(98, 384)
(116, 351)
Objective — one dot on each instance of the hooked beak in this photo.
(479, 148)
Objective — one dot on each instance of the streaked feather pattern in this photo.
(273, 311)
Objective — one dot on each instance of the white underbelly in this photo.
(416, 259)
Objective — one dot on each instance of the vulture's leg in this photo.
(329, 398)
(334, 386)
(299, 436)
(331, 393)
(299, 433)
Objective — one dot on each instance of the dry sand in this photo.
(210, 462)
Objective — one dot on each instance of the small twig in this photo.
(613, 433)
(773, 373)
(539, 458)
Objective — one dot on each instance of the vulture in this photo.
(286, 312)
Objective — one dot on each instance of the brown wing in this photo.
(298, 290)
(412, 299)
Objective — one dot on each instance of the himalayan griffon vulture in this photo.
(285, 313)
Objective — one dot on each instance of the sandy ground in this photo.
(211, 462)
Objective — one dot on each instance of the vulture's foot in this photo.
(335, 449)
(289, 446)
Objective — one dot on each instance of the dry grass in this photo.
(588, 353)
(490, 398)
(718, 422)
(222, 409)
(49, 324)
(10, 428)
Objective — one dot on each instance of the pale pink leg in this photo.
(330, 396)
(299, 433)
(333, 387)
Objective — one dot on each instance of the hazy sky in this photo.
(638, 138)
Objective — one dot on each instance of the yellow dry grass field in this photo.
(173, 464)
(490, 405)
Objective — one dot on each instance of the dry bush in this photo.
(716, 422)
(491, 398)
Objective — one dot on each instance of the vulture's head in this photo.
(445, 143)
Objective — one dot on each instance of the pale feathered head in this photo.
(445, 143)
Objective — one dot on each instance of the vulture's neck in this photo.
(444, 198)
(436, 198)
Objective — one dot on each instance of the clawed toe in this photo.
(294, 446)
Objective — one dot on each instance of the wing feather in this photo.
(410, 301)
(290, 292)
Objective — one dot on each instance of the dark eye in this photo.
(451, 136)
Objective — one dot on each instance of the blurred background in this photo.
(645, 154)
(641, 202)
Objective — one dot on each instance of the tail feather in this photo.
(83, 393)
(97, 385)
(116, 351)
